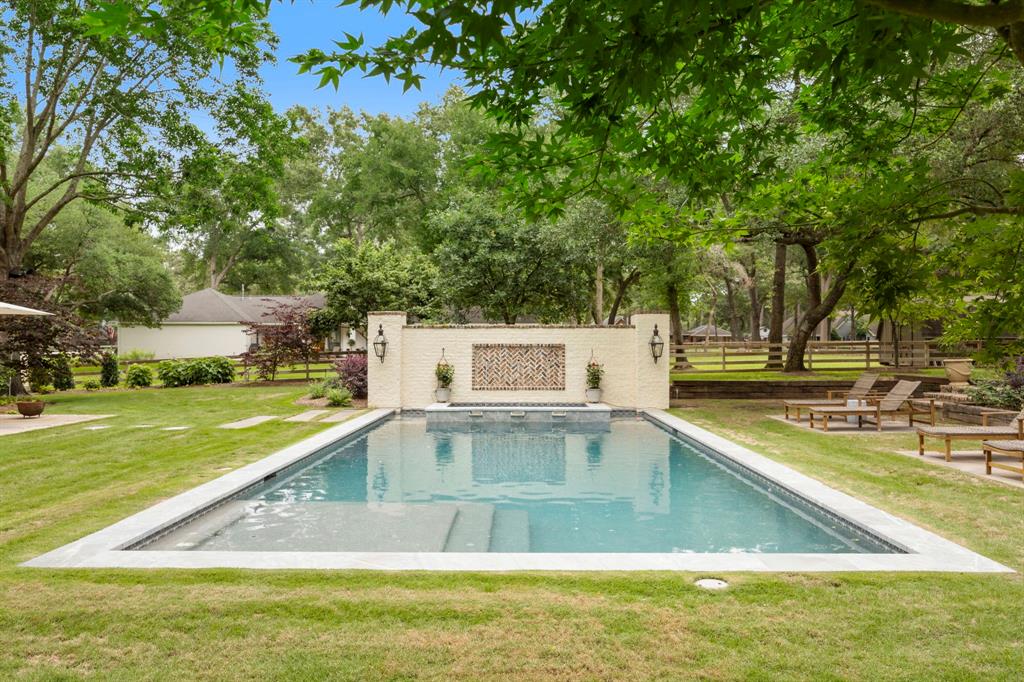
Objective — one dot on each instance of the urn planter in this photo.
(958, 370)
(593, 395)
(30, 408)
(443, 395)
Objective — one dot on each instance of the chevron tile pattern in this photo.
(518, 367)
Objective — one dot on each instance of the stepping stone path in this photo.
(339, 416)
(175, 428)
(246, 423)
(95, 428)
(307, 416)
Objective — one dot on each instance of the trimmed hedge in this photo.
(215, 370)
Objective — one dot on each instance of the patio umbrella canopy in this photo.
(11, 309)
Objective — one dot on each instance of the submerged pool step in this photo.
(471, 528)
(510, 531)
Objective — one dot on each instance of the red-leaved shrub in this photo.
(352, 370)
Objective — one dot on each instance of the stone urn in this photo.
(30, 408)
(593, 395)
(958, 370)
(443, 395)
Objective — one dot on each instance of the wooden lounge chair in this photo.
(859, 391)
(1013, 448)
(896, 401)
(1014, 430)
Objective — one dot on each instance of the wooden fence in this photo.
(740, 356)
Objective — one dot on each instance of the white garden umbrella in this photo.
(11, 309)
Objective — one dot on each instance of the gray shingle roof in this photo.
(209, 306)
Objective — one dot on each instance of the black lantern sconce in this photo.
(657, 345)
(380, 343)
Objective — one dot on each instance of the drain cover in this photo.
(711, 584)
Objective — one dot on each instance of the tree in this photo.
(491, 258)
(121, 102)
(107, 269)
(287, 338)
(358, 279)
(32, 342)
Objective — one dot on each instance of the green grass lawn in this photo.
(58, 485)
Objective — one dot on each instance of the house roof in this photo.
(702, 330)
(211, 306)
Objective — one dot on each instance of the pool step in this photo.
(193, 534)
(510, 531)
(471, 528)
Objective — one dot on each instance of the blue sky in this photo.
(304, 24)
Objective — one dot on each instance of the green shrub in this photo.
(91, 385)
(339, 397)
(317, 389)
(138, 376)
(38, 377)
(61, 374)
(110, 373)
(998, 393)
(595, 372)
(216, 370)
(134, 355)
(445, 374)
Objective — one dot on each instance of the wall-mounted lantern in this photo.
(380, 344)
(657, 345)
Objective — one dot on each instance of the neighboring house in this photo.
(704, 332)
(212, 323)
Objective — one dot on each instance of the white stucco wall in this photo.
(406, 377)
(184, 340)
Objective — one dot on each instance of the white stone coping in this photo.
(926, 551)
(447, 407)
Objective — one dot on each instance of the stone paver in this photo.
(339, 416)
(970, 462)
(15, 423)
(308, 416)
(175, 428)
(246, 423)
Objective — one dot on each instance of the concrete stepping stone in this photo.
(96, 428)
(339, 416)
(175, 428)
(143, 426)
(246, 423)
(307, 416)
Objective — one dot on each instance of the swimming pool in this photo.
(621, 485)
(652, 492)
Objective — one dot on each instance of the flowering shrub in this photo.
(352, 372)
(595, 371)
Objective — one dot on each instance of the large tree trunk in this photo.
(735, 327)
(778, 307)
(811, 319)
(597, 309)
(620, 293)
(755, 300)
(675, 322)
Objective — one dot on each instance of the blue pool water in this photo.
(624, 486)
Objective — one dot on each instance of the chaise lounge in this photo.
(1013, 448)
(1013, 430)
(895, 402)
(859, 391)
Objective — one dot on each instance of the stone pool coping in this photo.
(926, 551)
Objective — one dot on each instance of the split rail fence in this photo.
(746, 356)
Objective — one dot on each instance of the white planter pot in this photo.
(958, 370)
(443, 395)
(593, 395)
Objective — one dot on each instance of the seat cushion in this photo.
(968, 430)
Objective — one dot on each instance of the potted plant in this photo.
(595, 371)
(29, 406)
(445, 374)
(958, 370)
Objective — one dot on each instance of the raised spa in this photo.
(621, 485)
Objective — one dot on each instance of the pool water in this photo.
(625, 485)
